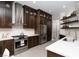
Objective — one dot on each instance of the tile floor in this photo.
(38, 51)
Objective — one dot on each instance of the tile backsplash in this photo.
(15, 31)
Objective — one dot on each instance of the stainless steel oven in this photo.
(20, 44)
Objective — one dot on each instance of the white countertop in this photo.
(31, 35)
(10, 37)
(65, 48)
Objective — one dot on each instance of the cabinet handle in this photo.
(44, 15)
(41, 15)
(25, 24)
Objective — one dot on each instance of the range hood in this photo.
(17, 15)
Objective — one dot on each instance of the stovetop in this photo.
(20, 37)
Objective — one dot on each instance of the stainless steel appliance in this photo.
(20, 43)
(43, 34)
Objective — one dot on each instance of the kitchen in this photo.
(43, 27)
(20, 29)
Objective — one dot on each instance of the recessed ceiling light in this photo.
(64, 6)
(34, 2)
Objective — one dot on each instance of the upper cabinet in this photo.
(5, 14)
(29, 17)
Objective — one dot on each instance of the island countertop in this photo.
(65, 48)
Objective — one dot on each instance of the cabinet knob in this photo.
(25, 24)
(34, 13)
(31, 13)
(26, 12)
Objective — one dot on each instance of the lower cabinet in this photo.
(33, 41)
(1, 48)
(52, 54)
(9, 44)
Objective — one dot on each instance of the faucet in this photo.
(74, 40)
(75, 36)
(2, 35)
(7, 35)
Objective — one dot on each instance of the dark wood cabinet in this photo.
(1, 48)
(33, 41)
(29, 17)
(9, 44)
(26, 17)
(52, 54)
(5, 14)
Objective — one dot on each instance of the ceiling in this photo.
(56, 8)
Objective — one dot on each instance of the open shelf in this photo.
(73, 15)
(70, 28)
(68, 22)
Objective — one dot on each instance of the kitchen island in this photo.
(63, 48)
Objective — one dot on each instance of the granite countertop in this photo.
(65, 48)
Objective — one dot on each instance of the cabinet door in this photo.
(9, 44)
(2, 13)
(30, 42)
(29, 17)
(36, 40)
(32, 18)
(31, 21)
(42, 20)
(5, 14)
(1, 48)
(49, 30)
(8, 15)
(26, 17)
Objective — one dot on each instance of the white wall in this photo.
(55, 28)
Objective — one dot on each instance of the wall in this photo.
(55, 27)
(56, 23)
